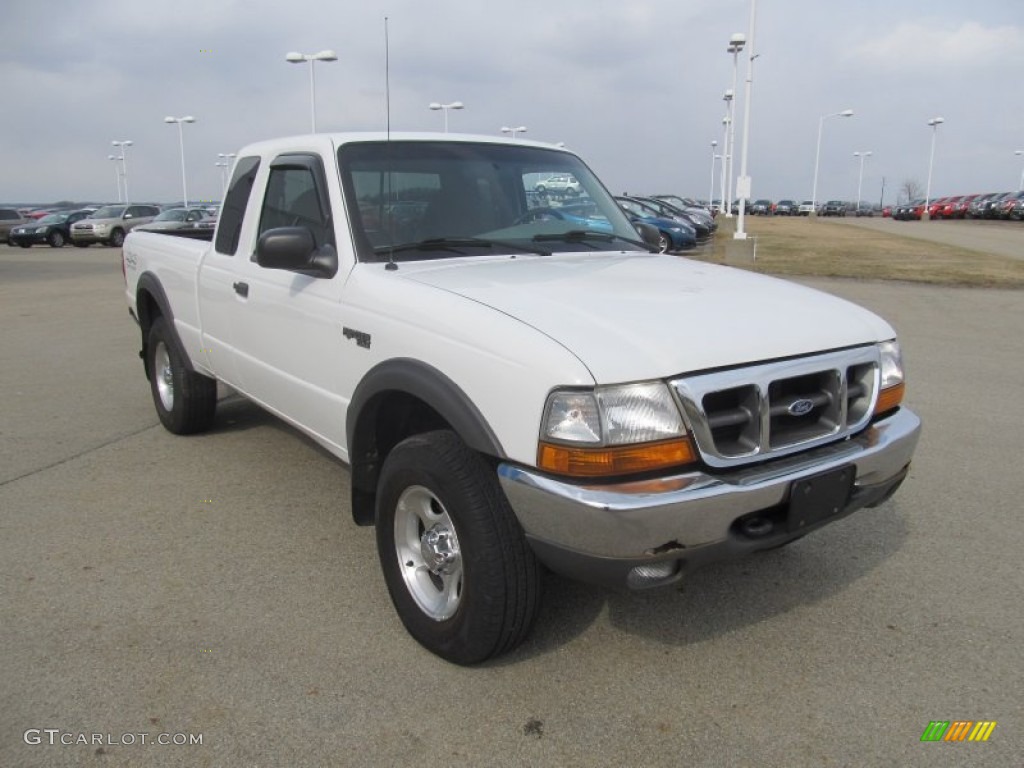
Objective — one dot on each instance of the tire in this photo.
(185, 401)
(468, 587)
(55, 239)
(664, 242)
(116, 238)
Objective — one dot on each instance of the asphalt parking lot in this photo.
(1004, 238)
(215, 585)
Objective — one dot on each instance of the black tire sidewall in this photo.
(486, 529)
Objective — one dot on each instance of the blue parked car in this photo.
(673, 235)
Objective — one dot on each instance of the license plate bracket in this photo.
(819, 497)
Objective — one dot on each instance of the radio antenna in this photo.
(391, 266)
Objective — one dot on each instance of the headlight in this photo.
(613, 430)
(891, 385)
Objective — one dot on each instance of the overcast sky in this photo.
(635, 87)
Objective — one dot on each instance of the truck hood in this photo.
(631, 316)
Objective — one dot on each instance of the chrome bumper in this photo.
(695, 517)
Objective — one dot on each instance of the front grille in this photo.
(748, 414)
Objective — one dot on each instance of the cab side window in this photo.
(294, 199)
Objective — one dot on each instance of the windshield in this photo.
(411, 200)
(109, 212)
(174, 214)
(53, 218)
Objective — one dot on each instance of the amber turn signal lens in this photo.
(615, 460)
(890, 398)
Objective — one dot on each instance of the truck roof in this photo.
(317, 140)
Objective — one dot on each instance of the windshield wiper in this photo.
(583, 235)
(454, 244)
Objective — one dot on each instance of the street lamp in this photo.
(223, 165)
(299, 58)
(724, 205)
(817, 155)
(728, 152)
(124, 163)
(1020, 152)
(743, 184)
(454, 105)
(711, 188)
(181, 143)
(117, 174)
(860, 178)
(935, 122)
(513, 131)
(736, 43)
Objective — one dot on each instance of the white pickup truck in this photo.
(512, 382)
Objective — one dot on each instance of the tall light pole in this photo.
(935, 122)
(743, 185)
(736, 43)
(724, 204)
(117, 174)
(730, 144)
(817, 155)
(181, 143)
(124, 163)
(513, 131)
(223, 165)
(229, 159)
(1020, 152)
(453, 105)
(312, 58)
(860, 177)
(711, 188)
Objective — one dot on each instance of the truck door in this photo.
(286, 326)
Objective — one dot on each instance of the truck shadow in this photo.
(722, 598)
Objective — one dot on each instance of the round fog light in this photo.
(650, 575)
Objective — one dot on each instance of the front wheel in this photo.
(185, 401)
(55, 239)
(117, 238)
(664, 243)
(457, 566)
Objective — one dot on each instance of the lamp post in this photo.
(730, 143)
(723, 203)
(228, 158)
(711, 187)
(736, 43)
(181, 143)
(860, 177)
(124, 163)
(445, 107)
(817, 155)
(117, 174)
(935, 122)
(1019, 152)
(223, 165)
(312, 58)
(513, 131)
(743, 185)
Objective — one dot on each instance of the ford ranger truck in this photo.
(516, 382)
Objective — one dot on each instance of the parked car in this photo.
(761, 207)
(910, 210)
(184, 222)
(977, 205)
(992, 208)
(54, 230)
(786, 208)
(702, 223)
(1010, 204)
(834, 208)
(865, 209)
(9, 219)
(111, 223)
(674, 235)
(806, 208)
(559, 184)
(694, 208)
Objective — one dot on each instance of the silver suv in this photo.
(111, 223)
(561, 184)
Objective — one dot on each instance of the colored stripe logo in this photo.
(958, 730)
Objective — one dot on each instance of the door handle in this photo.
(242, 289)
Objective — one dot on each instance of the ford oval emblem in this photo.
(800, 407)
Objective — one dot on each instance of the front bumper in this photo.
(32, 238)
(602, 533)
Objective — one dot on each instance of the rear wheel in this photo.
(457, 566)
(185, 401)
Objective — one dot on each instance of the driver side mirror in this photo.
(295, 250)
